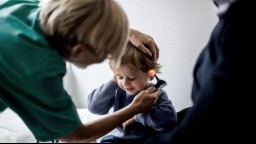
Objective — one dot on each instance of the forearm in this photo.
(92, 130)
(144, 101)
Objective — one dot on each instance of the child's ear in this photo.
(151, 73)
(76, 50)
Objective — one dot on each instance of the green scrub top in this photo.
(31, 73)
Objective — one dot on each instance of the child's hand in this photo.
(128, 122)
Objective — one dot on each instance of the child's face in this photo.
(130, 80)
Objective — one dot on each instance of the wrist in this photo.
(133, 109)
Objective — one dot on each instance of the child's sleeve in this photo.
(102, 99)
(162, 116)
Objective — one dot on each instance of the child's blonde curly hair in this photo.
(137, 60)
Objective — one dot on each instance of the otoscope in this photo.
(160, 83)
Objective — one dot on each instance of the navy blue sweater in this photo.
(109, 95)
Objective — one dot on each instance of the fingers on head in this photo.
(153, 48)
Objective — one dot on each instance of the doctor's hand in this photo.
(145, 43)
(146, 99)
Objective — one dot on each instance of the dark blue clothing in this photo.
(161, 117)
(223, 88)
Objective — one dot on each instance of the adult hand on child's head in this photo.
(146, 99)
(145, 43)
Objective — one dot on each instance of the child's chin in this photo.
(131, 93)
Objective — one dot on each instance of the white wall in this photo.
(181, 28)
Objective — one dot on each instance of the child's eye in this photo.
(132, 78)
(119, 77)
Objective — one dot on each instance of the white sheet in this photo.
(13, 129)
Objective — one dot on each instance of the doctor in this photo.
(35, 43)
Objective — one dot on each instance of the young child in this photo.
(129, 79)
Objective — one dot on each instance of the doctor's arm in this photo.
(90, 131)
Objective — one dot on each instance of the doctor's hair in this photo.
(101, 24)
(136, 59)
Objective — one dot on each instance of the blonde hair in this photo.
(101, 24)
(136, 59)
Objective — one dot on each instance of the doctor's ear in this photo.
(77, 50)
